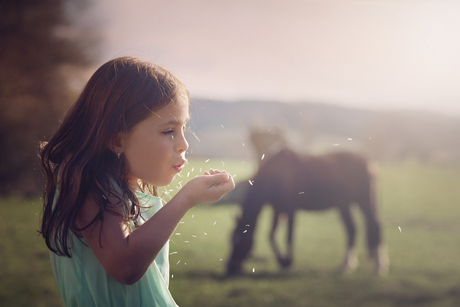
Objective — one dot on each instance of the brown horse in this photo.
(290, 181)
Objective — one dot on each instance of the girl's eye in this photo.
(168, 132)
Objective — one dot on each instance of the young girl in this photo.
(102, 219)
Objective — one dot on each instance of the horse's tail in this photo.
(377, 250)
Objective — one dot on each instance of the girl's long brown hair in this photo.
(77, 162)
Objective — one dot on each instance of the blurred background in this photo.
(384, 74)
(377, 77)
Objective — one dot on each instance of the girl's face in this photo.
(155, 148)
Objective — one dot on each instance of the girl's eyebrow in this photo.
(175, 121)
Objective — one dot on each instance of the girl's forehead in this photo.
(177, 110)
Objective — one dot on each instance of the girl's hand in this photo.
(208, 188)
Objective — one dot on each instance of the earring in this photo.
(118, 155)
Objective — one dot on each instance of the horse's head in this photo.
(242, 240)
(267, 141)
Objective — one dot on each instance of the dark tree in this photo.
(40, 48)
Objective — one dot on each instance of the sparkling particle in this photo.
(253, 270)
(250, 182)
(172, 275)
(177, 233)
(263, 156)
(245, 231)
(205, 234)
(337, 144)
(247, 225)
(349, 139)
(177, 262)
(215, 223)
(399, 227)
(193, 168)
(244, 145)
(220, 259)
(172, 253)
(301, 192)
(186, 242)
(223, 164)
(193, 236)
(222, 126)
(206, 161)
(188, 174)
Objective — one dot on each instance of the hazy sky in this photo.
(369, 53)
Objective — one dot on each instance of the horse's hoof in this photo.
(233, 268)
(285, 262)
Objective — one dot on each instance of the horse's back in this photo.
(315, 182)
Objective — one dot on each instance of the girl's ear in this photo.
(116, 143)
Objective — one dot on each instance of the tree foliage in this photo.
(39, 50)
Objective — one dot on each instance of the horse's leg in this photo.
(290, 253)
(350, 260)
(279, 257)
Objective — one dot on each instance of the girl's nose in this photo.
(181, 143)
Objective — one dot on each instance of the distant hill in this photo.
(223, 129)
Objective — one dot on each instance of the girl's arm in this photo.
(127, 256)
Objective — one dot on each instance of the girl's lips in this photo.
(179, 167)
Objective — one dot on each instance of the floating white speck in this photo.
(177, 262)
(247, 225)
(349, 139)
(301, 192)
(245, 231)
(234, 176)
(193, 236)
(250, 182)
(220, 259)
(337, 144)
(177, 233)
(223, 164)
(370, 138)
(263, 156)
(206, 161)
(193, 215)
(222, 126)
(186, 242)
(215, 223)
(188, 174)
(205, 234)
(253, 270)
(399, 227)
(172, 253)
(193, 168)
(243, 144)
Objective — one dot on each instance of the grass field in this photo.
(419, 207)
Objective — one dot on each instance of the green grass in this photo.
(419, 207)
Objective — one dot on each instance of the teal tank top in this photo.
(82, 280)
